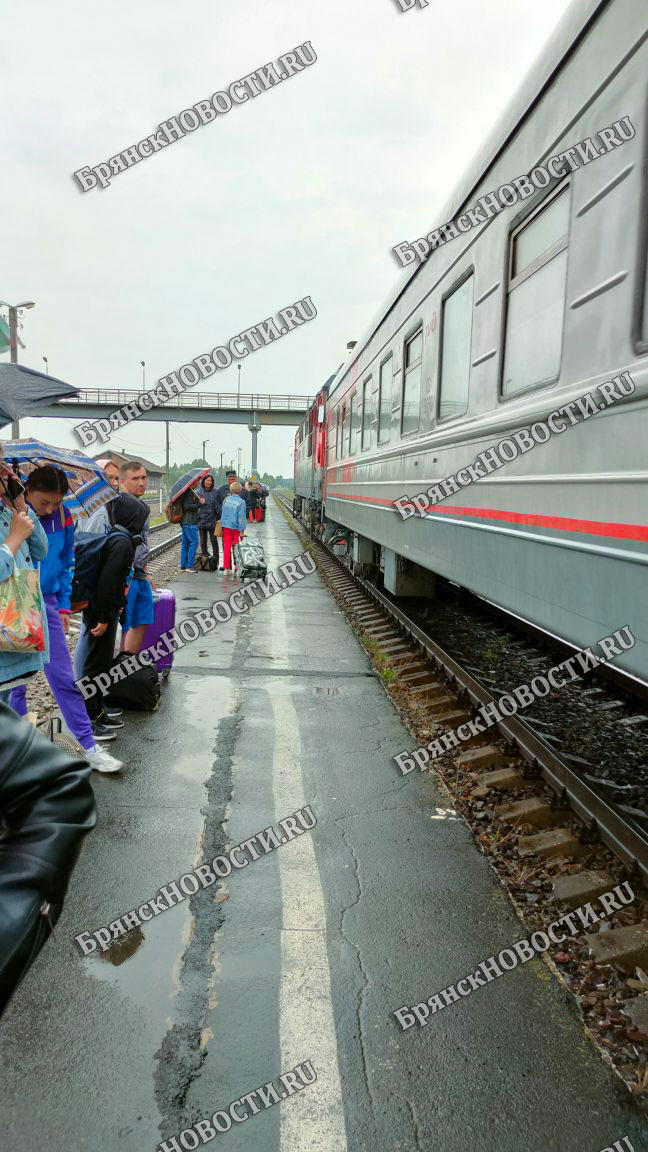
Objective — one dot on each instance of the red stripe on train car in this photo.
(559, 523)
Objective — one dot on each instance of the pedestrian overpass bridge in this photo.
(191, 407)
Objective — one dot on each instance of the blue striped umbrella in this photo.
(89, 487)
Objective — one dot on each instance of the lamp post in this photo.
(14, 309)
(143, 363)
(46, 363)
(238, 471)
(239, 385)
(203, 455)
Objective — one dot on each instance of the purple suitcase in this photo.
(163, 621)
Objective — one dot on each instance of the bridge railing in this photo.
(247, 401)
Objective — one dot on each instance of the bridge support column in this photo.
(254, 428)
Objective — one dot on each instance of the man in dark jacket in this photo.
(100, 618)
(47, 807)
(224, 491)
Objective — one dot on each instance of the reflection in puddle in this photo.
(122, 949)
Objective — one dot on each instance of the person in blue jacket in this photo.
(232, 518)
(23, 544)
(46, 488)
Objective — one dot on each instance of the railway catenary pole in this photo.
(13, 345)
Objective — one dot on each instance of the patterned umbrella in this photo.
(185, 482)
(89, 487)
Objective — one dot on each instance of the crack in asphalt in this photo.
(180, 1056)
(365, 978)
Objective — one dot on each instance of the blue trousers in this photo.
(189, 545)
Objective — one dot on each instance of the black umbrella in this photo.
(23, 392)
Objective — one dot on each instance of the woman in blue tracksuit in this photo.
(46, 488)
(23, 543)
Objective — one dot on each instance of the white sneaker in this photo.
(101, 760)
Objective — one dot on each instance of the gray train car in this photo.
(310, 459)
(501, 326)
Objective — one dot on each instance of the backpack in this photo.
(174, 511)
(138, 691)
(88, 547)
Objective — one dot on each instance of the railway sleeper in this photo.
(532, 810)
(557, 842)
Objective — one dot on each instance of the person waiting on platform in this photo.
(100, 618)
(252, 499)
(232, 522)
(207, 517)
(140, 606)
(224, 490)
(46, 487)
(23, 544)
(191, 503)
(111, 471)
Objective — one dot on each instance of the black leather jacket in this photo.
(46, 808)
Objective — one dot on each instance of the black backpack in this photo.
(138, 691)
(88, 549)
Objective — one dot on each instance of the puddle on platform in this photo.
(206, 702)
(144, 964)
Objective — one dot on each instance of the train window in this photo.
(412, 384)
(337, 436)
(385, 401)
(309, 447)
(343, 428)
(353, 416)
(366, 414)
(456, 339)
(536, 297)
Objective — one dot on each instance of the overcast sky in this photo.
(300, 192)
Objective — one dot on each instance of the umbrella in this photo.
(180, 487)
(23, 392)
(89, 487)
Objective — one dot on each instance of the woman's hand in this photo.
(98, 629)
(20, 530)
(65, 621)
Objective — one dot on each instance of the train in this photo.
(525, 312)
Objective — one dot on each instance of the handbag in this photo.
(22, 627)
(218, 530)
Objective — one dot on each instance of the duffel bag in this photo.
(137, 691)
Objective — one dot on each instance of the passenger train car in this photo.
(507, 322)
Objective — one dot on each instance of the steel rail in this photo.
(626, 840)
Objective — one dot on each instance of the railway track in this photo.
(536, 813)
(616, 829)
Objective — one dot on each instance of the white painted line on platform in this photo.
(313, 1118)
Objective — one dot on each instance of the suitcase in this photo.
(163, 621)
(249, 559)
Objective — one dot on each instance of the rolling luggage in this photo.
(163, 621)
(250, 560)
